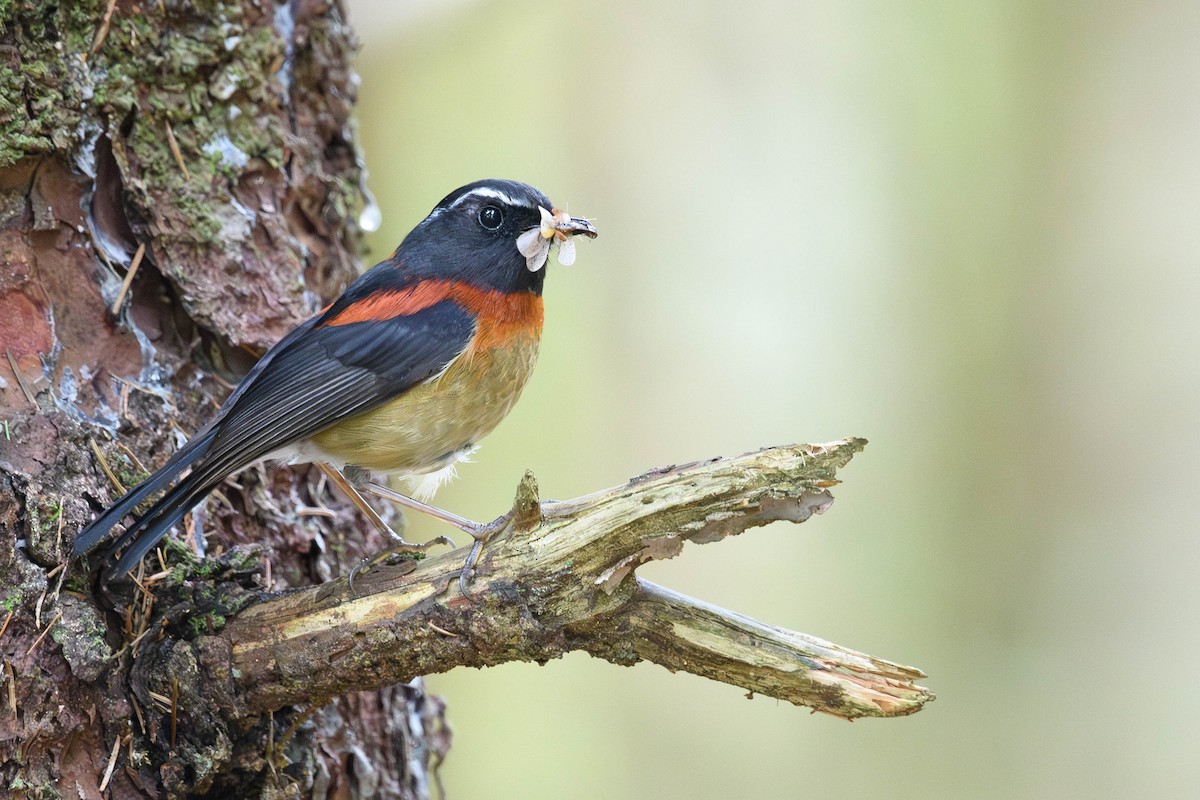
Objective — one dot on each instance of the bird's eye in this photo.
(490, 217)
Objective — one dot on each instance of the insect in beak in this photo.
(557, 226)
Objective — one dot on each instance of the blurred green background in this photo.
(969, 232)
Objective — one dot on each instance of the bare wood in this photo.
(682, 633)
(557, 578)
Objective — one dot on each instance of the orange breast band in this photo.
(501, 315)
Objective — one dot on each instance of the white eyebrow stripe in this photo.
(495, 194)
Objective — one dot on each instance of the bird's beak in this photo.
(557, 226)
(571, 226)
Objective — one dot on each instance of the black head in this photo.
(472, 234)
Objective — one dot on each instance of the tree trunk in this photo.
(179, 186)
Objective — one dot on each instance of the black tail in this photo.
(92, 536)
(141, 537)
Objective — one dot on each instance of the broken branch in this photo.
(558, 578)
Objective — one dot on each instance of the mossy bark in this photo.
(216, 138)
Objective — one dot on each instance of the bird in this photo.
(419, 358)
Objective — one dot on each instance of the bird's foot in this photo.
(397, 547)
(482, 534)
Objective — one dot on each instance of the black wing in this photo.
(308, 383)
(335, 372)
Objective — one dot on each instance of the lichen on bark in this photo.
(217, 138)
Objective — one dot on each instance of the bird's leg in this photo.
(462, 523)
(398, 544)
(479, 532)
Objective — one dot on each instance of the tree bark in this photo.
(192, 166)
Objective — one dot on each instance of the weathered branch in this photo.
(556, 579)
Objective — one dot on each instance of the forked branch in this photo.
(560, 578)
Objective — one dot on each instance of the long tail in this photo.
(91, 537)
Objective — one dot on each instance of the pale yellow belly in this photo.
(431, 425)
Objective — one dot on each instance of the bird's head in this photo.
(493, 233)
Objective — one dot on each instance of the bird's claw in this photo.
(401, 546)
(482, 535)
(398, 546)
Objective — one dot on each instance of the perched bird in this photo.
(420, 358)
